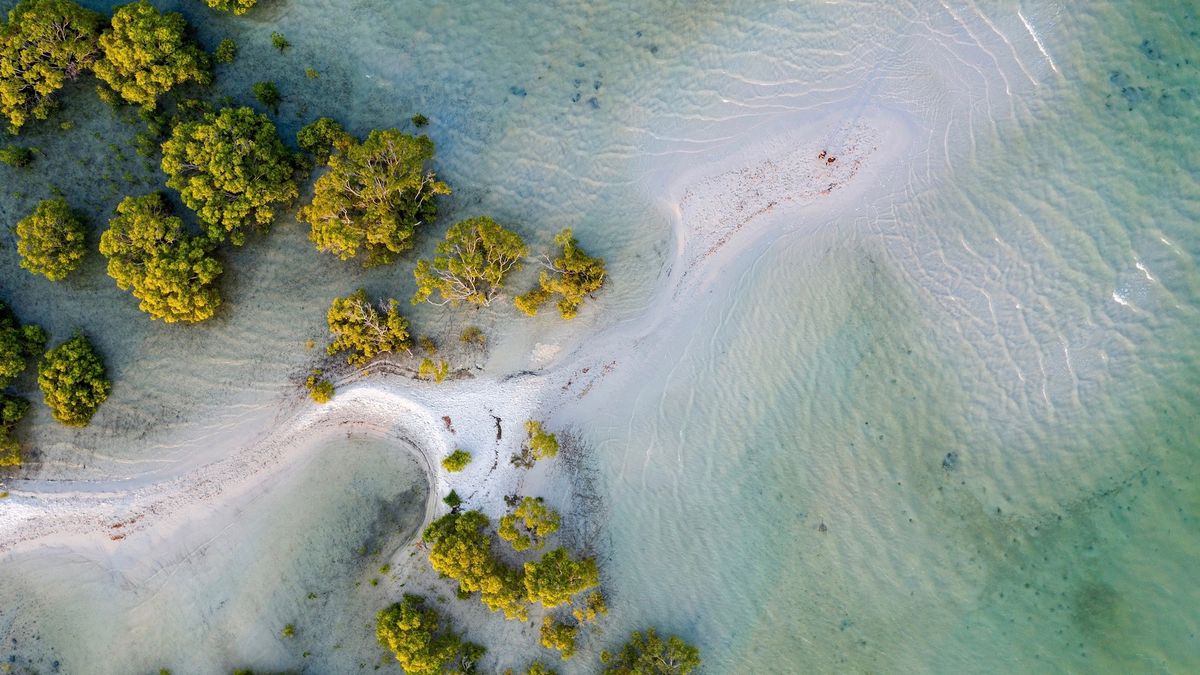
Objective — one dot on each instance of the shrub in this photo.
(593, 608)
(147, 53)
(542, 445)
(44, 44)
(73, 381)
(267, 94)
(554, 578)
(311, 73)
(231, 169)
(173, 275)
(473, 263)
(226, 51)
(421, 641)
(12, 410)
(456, 461)
(365, 331)
(473, 335)
(452, 500)
(420, 121)
(51, 240)
(559, 636)
(374, 197)
(319, 389)
(529, 525)
(460, 549)
(279, 42)
(288, 631)
(648, 654)
(16, 156)
(573, 276)
(322, 137)
(238, 7)
(18, 345)
(429, 370)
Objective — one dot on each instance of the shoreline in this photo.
(116, 515)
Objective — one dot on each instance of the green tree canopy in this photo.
(147, 53)
(573, 276)
(232, 170)
(421, 641)
(461, 548)
(44, 44)
(73, 381)
(323, 137)
(364, 331)
(18, 345)
(238, 7)
(559, 636)
(12, 410)
(173, 275)
(373, 197)
(473, 262)
(592, 609)
(544, 445)
(529, 524)
(647, 654)
(51, 240)
(554, 578)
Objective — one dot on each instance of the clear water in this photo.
(1022, 290)
(302, 552)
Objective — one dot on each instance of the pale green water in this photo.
(1024, 294)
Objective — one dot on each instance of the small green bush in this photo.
(279, 42)
(226, 51)
(320, 389)
(420, 120)
(267, 94)
(473, 335)
(456, 461)
(16, 156)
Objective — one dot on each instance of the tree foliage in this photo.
(364, 331)
(267, 94)
(529, 524)
(648, 654)
(559, 636)
(592, 609)
(73, 381)
(172, 274)
(44, 44)
(226, 51)
(572, 276)
(147, 54)
(322, 137)
(461, 549)
(51, 240)
(421, 641)
(472, 263)
(319, 389)
(12, 410)
(542, 444)
(456, 461)
(433, 370)
(18, 345)
(238, 7)
(554, 578)
(16, 156)
(373, 197)
(231, 168)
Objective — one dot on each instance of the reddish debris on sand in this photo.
(449, 426)
(822, 155)
(831, 160)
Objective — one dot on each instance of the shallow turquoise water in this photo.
(1023, 293)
